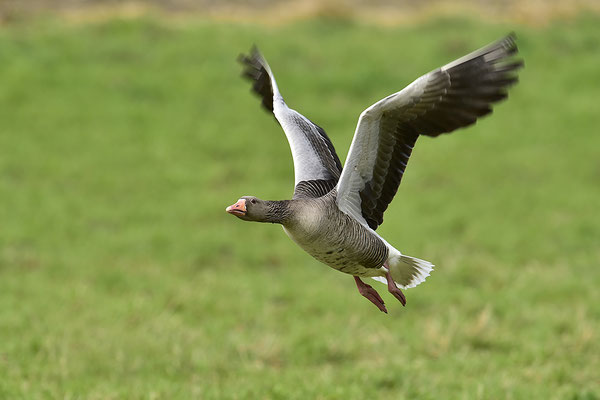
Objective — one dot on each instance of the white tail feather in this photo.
(407, 271)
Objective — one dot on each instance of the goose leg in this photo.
(393, 289)
(370, 293)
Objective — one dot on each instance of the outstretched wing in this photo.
(317, 167)
(448, 98)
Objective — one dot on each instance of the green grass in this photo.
(121, 276)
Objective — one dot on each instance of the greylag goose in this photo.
(335, 211)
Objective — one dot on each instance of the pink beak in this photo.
(238, 208)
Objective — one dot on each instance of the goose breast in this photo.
(336, 239)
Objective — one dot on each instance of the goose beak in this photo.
(238, 209)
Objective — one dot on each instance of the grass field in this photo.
(121, 276)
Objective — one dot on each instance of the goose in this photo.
(335, 211)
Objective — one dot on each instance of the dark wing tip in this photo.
(509, 41)
(254, 52)
(254, 69)
(475, 83)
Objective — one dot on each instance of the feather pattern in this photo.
(448, 98)
(315, 158)
(313, 189)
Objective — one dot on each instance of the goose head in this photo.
(250, 208)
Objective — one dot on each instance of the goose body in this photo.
(316, 228)
(335, 211)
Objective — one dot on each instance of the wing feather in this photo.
(451, 97)
(317, 166)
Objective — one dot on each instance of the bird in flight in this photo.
(334, 212)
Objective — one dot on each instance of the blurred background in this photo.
(125, 131)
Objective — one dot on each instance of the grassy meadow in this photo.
(121, 276)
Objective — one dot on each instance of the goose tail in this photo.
(407, 271)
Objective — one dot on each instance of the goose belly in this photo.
(355, 251)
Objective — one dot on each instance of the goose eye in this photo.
(253, 201)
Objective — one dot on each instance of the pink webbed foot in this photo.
(393, 289)
(370, 293)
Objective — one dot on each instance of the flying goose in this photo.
(335, 211)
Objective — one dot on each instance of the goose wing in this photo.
(448, 98)
(317, 166)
